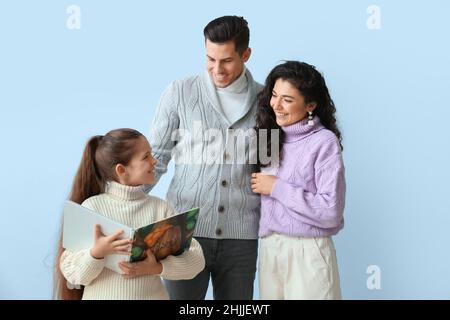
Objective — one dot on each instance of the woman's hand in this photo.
(263, 183)
(148, 266)
(106, 245)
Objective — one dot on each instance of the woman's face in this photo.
(288, 103)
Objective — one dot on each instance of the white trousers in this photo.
(298, 268)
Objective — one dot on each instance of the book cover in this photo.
(168, 236)
(171, 236)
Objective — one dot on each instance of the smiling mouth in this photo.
(279, 114)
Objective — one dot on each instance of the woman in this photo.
(302, 200)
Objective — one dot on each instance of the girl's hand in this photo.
(263, 183)
(106, 245)
(147, 266)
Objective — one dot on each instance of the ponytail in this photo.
(87, 183)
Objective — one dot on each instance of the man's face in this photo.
(224, 63)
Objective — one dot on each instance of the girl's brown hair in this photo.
(100, 157)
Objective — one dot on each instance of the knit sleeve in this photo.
(323, 208)
(185, 266)
(165, 123)
(80, 267)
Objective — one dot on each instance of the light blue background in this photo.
(391, 88)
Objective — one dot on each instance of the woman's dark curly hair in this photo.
(311, 85)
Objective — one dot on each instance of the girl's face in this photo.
(141, 168)
(288, 103)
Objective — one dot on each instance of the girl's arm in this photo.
(185, 266)
(84, 266)
(80, 268)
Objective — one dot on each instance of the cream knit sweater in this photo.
(133, 207)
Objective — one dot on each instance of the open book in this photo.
(169, 236)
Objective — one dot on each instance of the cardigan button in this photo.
(218, 231)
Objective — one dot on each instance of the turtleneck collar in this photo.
(238, 86)
(124, 192)
(301, 129)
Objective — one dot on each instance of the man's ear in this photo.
(311, 106)
(121, 171)
(246, 55)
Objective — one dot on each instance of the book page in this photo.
(78, 231)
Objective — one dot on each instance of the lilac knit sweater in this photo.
(308, 196)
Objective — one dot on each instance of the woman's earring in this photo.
(310, 119)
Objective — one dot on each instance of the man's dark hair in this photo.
(229, 28)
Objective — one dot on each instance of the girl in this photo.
(302, 203)
(110, 181)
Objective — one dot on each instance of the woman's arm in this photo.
(325, 207)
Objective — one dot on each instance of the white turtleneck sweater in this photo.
(232, 98)
(133, 207)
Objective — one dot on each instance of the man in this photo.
(197, 120)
